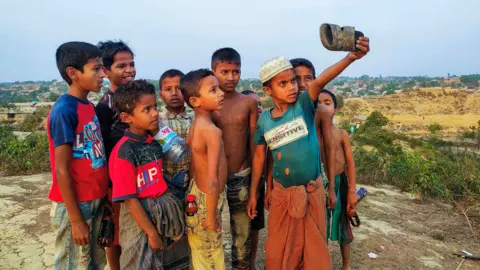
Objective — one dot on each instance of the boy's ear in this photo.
(105, 71)
(126, 118)
(72, 73)
(194, 102)
(267, 90)
(160, 95)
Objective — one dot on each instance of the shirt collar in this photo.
(172, 115)
(147, 140)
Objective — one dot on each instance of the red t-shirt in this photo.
(135, 168)
(73, 121)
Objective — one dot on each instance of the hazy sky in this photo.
(421, 37)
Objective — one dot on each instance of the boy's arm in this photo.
(253, 118)
(141, 218)
(333, 71)
(352, 181)
(321, 145)
(213, 138)
(257, 169)
(80, 229)
(269, 179)
(329, 148)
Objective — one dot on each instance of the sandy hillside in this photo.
(414, 234)
(411, 111)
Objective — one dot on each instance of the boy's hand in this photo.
(351, 203)
(81, 233)
(155, 242)
(252, 207)
(332, 199)
(363, 44)
(266, 201)
(212, 226)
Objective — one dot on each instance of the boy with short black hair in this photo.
(176, 116)
(201, 91)
(297, 220)
(77, 157)
(338, 225)
(304, 72)
(148, 213)
(237, 120)
(119, 66)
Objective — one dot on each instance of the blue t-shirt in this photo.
(74, 121)
(292, 135)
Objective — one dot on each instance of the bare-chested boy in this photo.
(201, 91)
(338, 226)
(237, 120)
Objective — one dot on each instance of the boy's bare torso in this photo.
(197, 141)
(340, 161)
(233, 120)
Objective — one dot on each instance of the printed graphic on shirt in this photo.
(146, 177)
(89, 144)
(286, 133)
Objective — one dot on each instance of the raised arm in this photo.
(213, 137)
(333, 71)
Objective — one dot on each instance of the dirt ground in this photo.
(414, 234)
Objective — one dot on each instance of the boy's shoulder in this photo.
(64, 107)
(123, 149)
(343, 134)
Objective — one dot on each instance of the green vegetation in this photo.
(434, 128)
(470, 79)
(424, 166)
(23, 156)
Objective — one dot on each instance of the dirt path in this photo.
(414, 234)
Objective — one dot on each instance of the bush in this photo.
(434, 128)
(23, 156)
(376, 119)
(427, 168)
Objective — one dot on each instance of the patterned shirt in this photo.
(180, 123)
(135, 167)
(73, 121)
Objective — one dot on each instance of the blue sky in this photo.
(422, 37)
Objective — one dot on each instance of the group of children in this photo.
(105, 158)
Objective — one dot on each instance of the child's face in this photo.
(326, 100)
(211, 97)
(283, 87)
(171, 94)
(122, 70)
(92, 76)
(228, 75)
(145, 114)
(304, 77)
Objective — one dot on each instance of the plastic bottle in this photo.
(191, 210)
(107, 229)
(173, 145)
(361, 193)
(353, 216)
